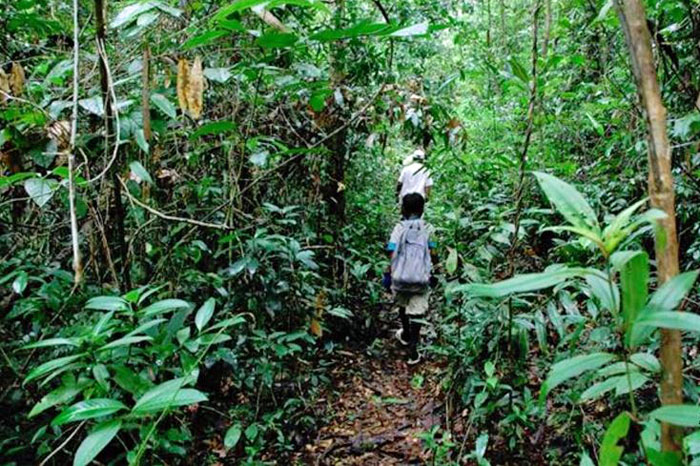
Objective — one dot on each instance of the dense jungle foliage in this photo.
(196, 196)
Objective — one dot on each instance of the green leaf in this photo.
(141, 140)
(51, 366)
(62, 394)
(169, 394)
(130, 13)
(519, 71)
(680, 415)
(636, 379)
(204, 39)
(667, 298)
(216, 127)
(125, 341)
(414, 30)
(607, 294)
(220, 75)
(272, 40)
(634, 281)
(451, 262)
(88, 409)
(597, 390)
(521, 283)
(93, 105)
(163, 306)
(164, 105)
(40, 190)
(94, 443)
(358, 30)
(15, 178)
(597, 126)
(646, 361)
(619, 228)
(237, 5)
(671, 319)
(204, 313)
(568, 202)
(20, 282)
(573, 367)
(107, 303)
(610, 453)
(233, 435)
(53, 342)
(140, 171)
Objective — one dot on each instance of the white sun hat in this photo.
(418, 154)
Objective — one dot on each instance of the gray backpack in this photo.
(410, 263)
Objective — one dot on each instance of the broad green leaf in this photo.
(53, 342)
(51, 366)
(125, 341)
(671, 319)
(608, 294)
(586, 460)
(131, 12)
(216, 127)
(573, 367)
(568, 202)
(40, 190)
(414, 30)
(130, 381)
(93, 105)
(145, 326)
(521, 283)
(88, 409)
(634, 281)
(358, 30)
(20, 282)
(94, 443)
(637, 379)
(237, 5)
(276, 40)
(220, 75)
(15, 178)
(141, 140)
(585, 232)
(164, 105)
(205, 38)
(451, 262)
(646, 361)
(680, 415)
(597, 126)
(204, 314)
(62, 394)
(107, 303)
(163, 306)
(233, 435)
(239, 319)
(519, 71)
(599, 389)
(616, 231)
(141, 172)
(169, 394)
(610, 452)
(667, 298)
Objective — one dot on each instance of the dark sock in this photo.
(405, 323)
(413, 339)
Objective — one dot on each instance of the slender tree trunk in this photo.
(633, 21)
(117, 233)
(77, 265)
(547, 28)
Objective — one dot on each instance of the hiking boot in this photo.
(399, 336)
(414, 361)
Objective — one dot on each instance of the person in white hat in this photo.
(415, 177)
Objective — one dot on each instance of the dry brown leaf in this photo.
(4, 85)
(17, 79)
(315, 328)
(183, 71)
(195, 89)
(59, 131)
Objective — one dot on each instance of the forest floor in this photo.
(378, 406)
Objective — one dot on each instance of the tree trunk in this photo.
(633, 21)
(116, 232)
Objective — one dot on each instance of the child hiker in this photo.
(415, 177)
(411, 265)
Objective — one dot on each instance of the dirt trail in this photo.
(379, 405)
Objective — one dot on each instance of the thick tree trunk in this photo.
(638, 38)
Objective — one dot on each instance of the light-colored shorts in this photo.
(416, 304)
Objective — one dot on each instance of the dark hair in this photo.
(412, 204)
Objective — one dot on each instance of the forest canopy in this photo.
(207, 258)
